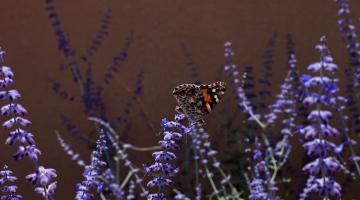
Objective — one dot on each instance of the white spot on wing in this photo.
(208, 107)
(216, 98)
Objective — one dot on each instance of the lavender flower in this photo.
(101, 34)
(257, 191)
(91, 97)
(161, 169)
(262, 186)
(205, 155)
(107, 180)
(21, 136)
(8, 192)
(111, 185)
(122, 155)
(73, 130)
(66, 148)
(64, 44)
(16, 112)
(320, 90)
(44, 179)
(91, 173)
(352, 71)
(286, 103)
(266, 73)
(241, 95)
(118, 60)
(239, 91)
(56, 87)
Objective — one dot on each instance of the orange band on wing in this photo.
(207, 97)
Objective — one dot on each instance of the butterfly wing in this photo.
(187, 97)
(211, 95)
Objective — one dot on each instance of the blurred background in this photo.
(167, 43)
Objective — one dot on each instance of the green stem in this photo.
(102, 196)
(253, 116)
(126, 180)
(208, 174)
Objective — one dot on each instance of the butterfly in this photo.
(195, 101)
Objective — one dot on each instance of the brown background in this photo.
(159, 27)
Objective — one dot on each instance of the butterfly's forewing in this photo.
(211, 95)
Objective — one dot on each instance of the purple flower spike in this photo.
(352, 71)
(92, 171)
(257, 191)
(161, 169)
(70, 152)
(8, 192)
(13, 109)
(19, 135)
(102, 33)
(320, 92)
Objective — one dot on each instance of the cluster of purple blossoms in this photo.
(8, 192)
(106, 182)
(286, 104)
(263, 178)
(16, 112)
(101, 34)
(133, 178)
(64, 44)
(320, 91)
(207, 164)
(257, 190)
(43, 178)
(352, 70)
(112, 186)
(26, 145)
(347, 30)
(284, 101)
(161, 169)
(261, 186)
(239, 91)
(92, 172)
(74, 156)
(241, 95)
(266, 73)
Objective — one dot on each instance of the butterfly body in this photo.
(198, 100)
